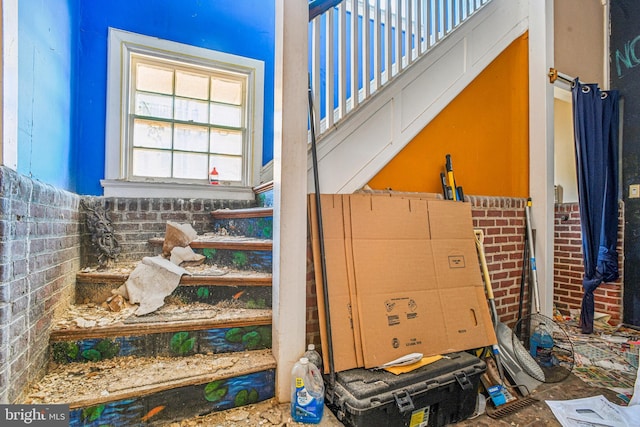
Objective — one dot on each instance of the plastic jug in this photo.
(541, 345)
(313, 356)
(307, 392)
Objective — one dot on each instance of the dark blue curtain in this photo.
(596, 121)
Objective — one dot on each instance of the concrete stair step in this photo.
(91, 332)
(215, 241)
(264, 194)
(126, 391)
(258, 212)
(251, 222)
(204, 283)
(236, 252)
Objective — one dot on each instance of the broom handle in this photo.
(494, 312)
(483, 264)
(532, 255)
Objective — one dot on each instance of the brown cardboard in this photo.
(456, 263)
(410, 272)
(341, 309)
(450, 220)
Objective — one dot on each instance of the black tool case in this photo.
(434, 395)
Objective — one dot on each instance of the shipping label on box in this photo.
(401, 323)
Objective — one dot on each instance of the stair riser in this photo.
(246, 296)
(242, 260)
(261, 228)
(265, 198)
(172, 405)
(172, 344)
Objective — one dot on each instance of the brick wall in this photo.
(569, 269)
(504, 225)
(135, 221)
(39, 257)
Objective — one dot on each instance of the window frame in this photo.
(118, 147)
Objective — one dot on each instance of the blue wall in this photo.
(46, 52)
(240, 27)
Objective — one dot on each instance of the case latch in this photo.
(463, 380)
(403, 401)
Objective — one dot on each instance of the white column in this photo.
(290, 189)
(9, 96)
(541, 144)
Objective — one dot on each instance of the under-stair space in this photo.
(207, 349)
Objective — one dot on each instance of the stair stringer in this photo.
(358, 147)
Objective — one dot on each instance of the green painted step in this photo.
(92, 333)
(237, 252)
(204, 284)
(250, 222)
(128, 391)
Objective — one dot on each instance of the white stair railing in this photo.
(359, 46)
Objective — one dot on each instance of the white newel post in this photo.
(290, 188)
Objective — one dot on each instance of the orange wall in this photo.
(485, 129)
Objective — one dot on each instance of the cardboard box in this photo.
(411, 273)
(347, 350)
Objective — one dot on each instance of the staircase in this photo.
(207, 349)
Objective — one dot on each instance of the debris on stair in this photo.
(86, 381)
(116, 303)
(152, 280)
(177, 235)
(185, 255)
(268, 413)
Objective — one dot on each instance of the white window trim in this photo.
(121, 44)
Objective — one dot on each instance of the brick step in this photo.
(127, 391)
(91, 332)
(251, 222)
(204, 284)
(237, 252)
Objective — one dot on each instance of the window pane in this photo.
(226, 91)
(226, 142)
(229, 168)
(189, 110)
(151, 134)
(226, 115)
(191, 138)
(190, 166)
(154, 79)
(154, 105)
(151, 163)
(192, 85)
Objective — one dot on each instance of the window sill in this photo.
(118, 188)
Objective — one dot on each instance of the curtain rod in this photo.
(555, 75)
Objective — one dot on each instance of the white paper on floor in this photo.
(597, 411)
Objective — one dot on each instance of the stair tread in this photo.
(243, 213)
(224, 242)
(91, 320)
(83, 384)
(201, 275)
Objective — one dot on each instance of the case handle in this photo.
(403, 401)
(463, 380)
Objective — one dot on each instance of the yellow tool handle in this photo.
(483, 263)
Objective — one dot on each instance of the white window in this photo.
(175, 114)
